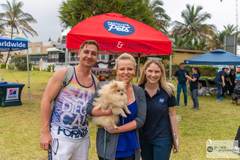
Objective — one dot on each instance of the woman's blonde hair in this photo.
(167, 86)
(125, 56)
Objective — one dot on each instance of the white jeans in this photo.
(63, 149)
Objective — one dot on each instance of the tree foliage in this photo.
(20, 62)
(228, 30)
(194, 32)
(73, 11)
(14, 20)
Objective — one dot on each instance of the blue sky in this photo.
(46, 13)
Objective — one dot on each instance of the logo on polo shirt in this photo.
(119, 28)
(161, 100)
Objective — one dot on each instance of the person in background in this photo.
(194, 79)
(180, 74)
(160, 131)
(232, 77)
(122, 143)
(226, 88)
(220, 83)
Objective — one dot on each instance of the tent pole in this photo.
(28, 70)
(170, 67)
(66, 57)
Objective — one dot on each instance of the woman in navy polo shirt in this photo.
(194, 79)
(159, 132)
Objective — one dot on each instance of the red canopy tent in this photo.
(117, 33)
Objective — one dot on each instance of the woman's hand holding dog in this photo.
(112, 129)
(124, 128)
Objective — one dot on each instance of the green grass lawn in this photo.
(19, 126)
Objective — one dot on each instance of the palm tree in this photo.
(193, 28)
(162, 19)
(1, 29)
(1, 26)
(16, 20)
(228, 30)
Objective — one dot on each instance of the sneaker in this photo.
(236, 150)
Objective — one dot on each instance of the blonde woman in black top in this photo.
(160, 131)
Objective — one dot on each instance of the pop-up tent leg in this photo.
(28, 70)
(170, 67)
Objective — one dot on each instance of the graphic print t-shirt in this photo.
(69, 117)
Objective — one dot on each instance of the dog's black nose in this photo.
(121, 94)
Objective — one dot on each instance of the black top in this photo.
(218, 78)
(194, 84)
(232, 78)
(157, 124)
(181, 75)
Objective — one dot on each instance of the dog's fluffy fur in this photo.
(111, 96)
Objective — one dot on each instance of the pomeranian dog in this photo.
(111, 96)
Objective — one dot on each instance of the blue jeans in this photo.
(219, 92)
(182, 86)
(158, 149)
(194, 95)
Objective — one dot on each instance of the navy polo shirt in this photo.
(218, 78)
(194, 84)
(157, 123)
(180, 74)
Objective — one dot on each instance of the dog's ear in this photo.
(115, 87)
